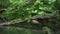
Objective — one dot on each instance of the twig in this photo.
(15, 21)
(22, 20)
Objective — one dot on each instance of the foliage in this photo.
(22, 9)
(19, 9)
